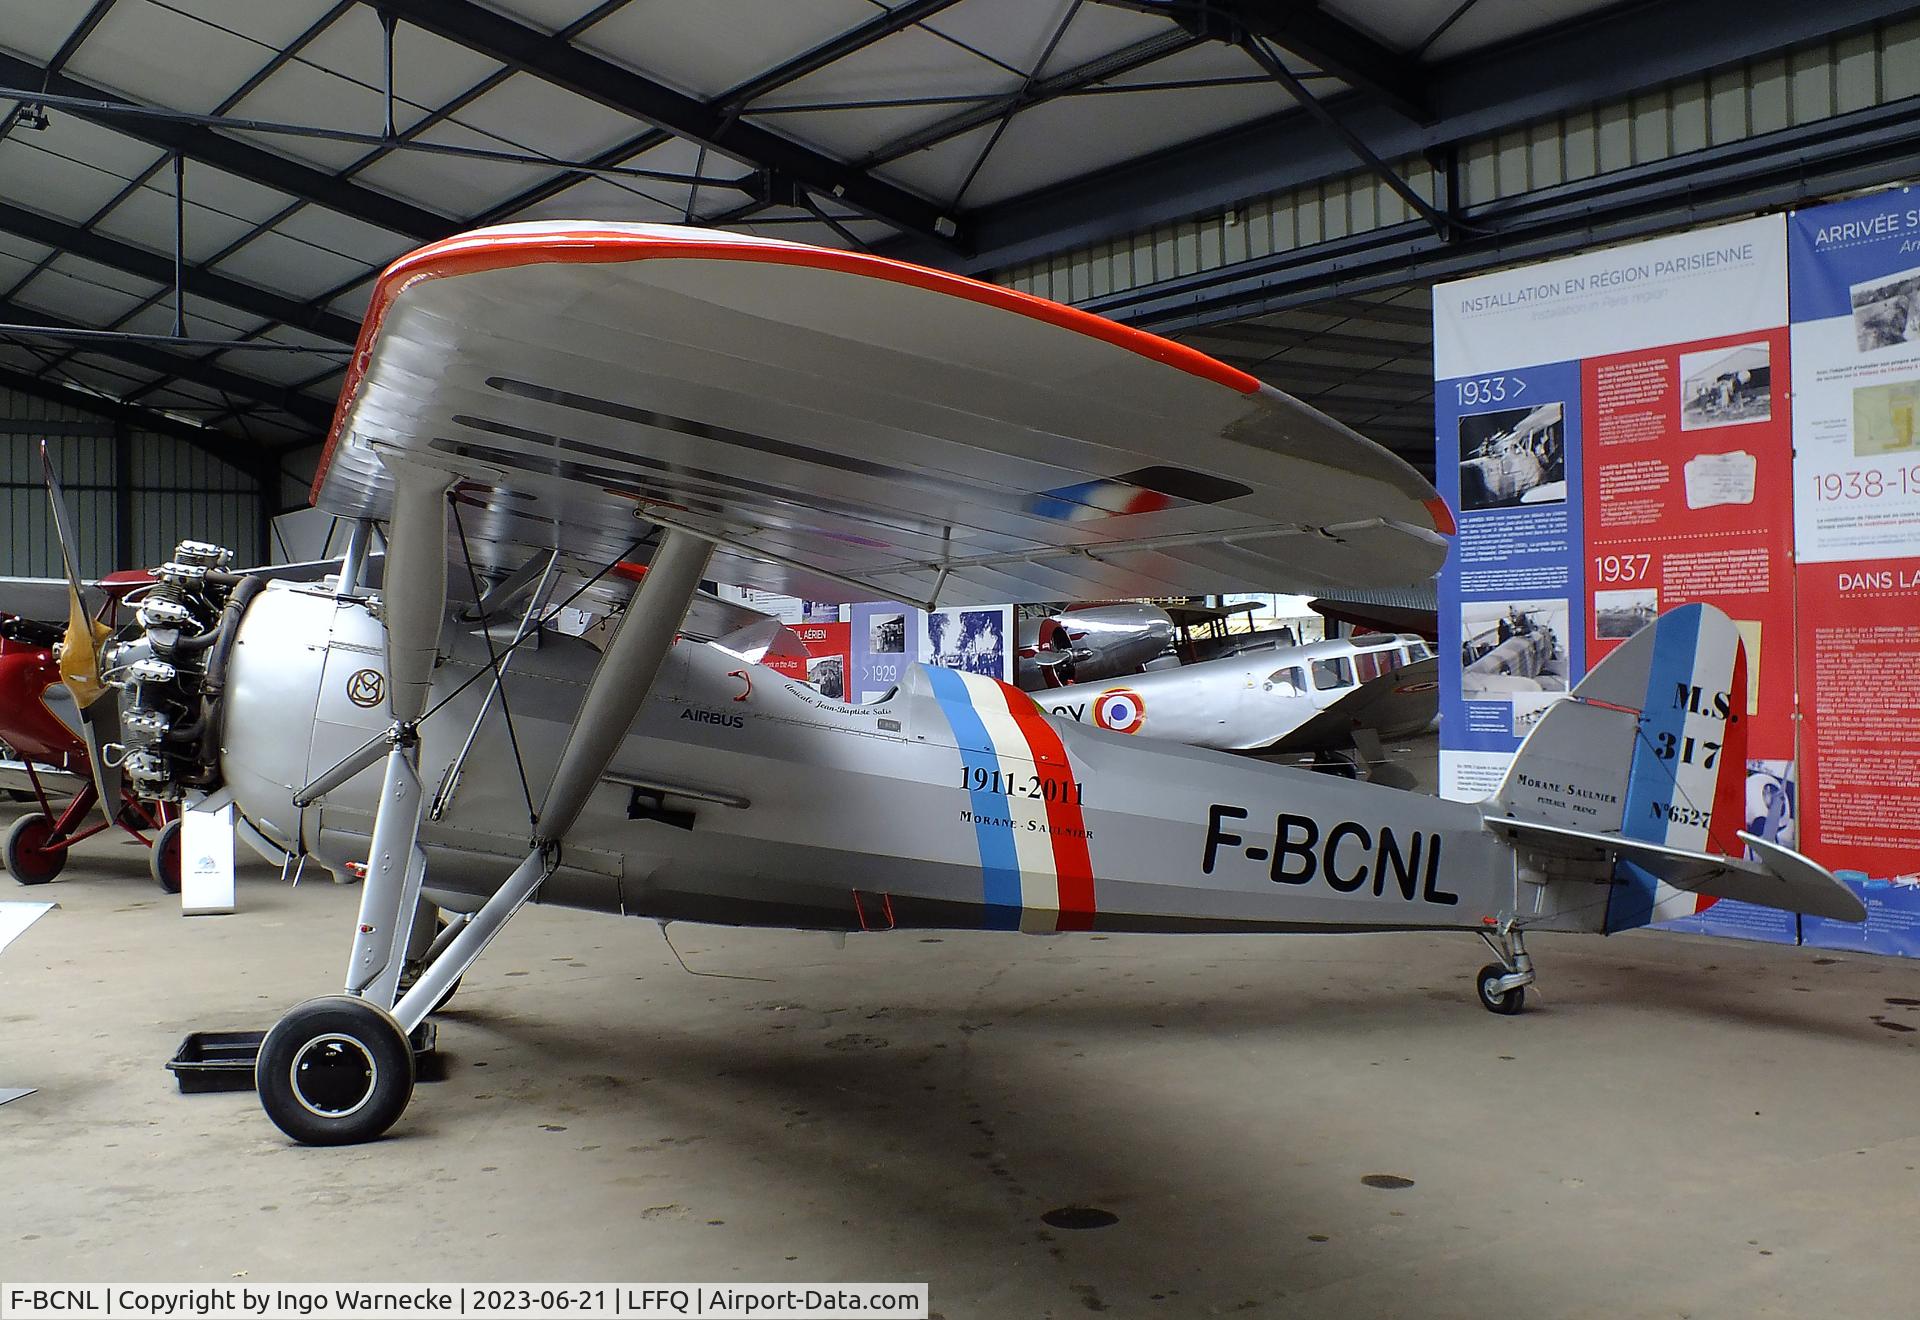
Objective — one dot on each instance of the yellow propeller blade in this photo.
(80, 653)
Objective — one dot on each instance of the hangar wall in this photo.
(1811, 85)
(171, 491)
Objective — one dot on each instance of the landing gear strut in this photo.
(339, 1070)
(1503, 985)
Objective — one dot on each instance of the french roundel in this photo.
(1119, 709)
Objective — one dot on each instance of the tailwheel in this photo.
(1503, 985)
(335, 1071)
(1493, 998)
(28, 853)
(163, 860)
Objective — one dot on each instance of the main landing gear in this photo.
(339, 1070)
(1502, 986)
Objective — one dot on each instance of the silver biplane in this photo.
(1335, 698)
(532, 405)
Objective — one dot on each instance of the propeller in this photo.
(80, 657)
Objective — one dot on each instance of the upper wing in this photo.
(844, 427)
(43, 599)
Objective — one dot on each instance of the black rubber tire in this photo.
(163, 860)
(1504, 1004)
(28, 858)
(334, 1072)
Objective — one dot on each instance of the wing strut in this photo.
(620, 684)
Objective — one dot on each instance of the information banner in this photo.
(887, 636)
(1855, 283)
(825, 664)
(883, 641)
(1615, 440)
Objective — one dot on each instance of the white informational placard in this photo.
(206, 862)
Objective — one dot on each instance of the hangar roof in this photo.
(297, 147)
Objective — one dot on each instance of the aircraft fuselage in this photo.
(743, 797)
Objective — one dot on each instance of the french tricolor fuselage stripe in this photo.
(999, 858)
(1066, 821)
(1037, 873)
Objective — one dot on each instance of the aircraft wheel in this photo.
(27, 855)
(334, 1071)
(163, 860)
(1492, 999)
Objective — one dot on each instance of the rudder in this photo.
(1650, 745)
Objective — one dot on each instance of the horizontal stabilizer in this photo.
(1780, 878)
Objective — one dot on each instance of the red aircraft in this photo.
(52, 749)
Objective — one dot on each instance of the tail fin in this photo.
(1651, 746)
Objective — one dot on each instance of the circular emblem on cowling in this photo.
(1119, 709)
(365, 687)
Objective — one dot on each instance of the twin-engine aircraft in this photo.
(531, 406)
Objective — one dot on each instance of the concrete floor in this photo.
(1677, 1127)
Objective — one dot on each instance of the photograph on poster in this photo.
(887, 634)
(1886, 311)
(972, 640)
(1716, 479)
(1528, 707)
(1623, 613)
(1513, 456)
(829, 674)
(1512, 646)
(1772, 794)
(1883, 418)
(1726, 386)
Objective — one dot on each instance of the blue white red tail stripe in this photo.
(1689, 760)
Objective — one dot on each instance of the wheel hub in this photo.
(333, 1076)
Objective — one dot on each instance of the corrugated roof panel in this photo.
(1107, 130)
(684, 46)
(601, 199)
(75, 289)
(204, 318)
(49, 181)
(1494, 21)
(344, 235)
(38, 30)
(285, 264)
(169, 57)
(146, 217)
(211, 186)
(1016, 32)
(428, 70)
(445, 183)
(528, 113)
